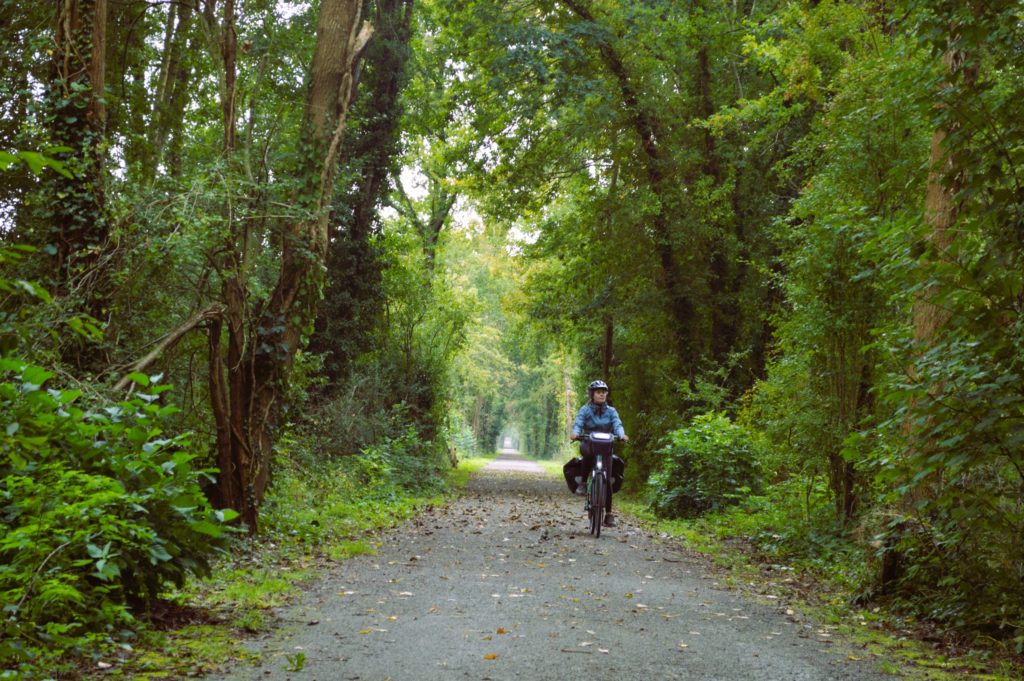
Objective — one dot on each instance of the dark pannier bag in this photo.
(572, 469)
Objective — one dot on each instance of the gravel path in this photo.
(507, 583)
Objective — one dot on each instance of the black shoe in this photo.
(609, 521)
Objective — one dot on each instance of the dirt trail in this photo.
(507, 583)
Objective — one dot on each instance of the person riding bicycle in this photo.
(597, 416)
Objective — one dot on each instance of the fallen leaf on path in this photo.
(502, 630)
(491, 656)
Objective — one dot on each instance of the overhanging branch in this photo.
(212, 311)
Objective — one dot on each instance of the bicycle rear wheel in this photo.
(597, 502)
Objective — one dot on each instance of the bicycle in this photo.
(598, 482)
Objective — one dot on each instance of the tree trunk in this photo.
(478, 408)
(608, 349)
(723, 284)
(78, 118)
(570, 415)
(229, 52)
(130, 101)
(429, 229)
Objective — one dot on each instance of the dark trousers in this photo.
(588, 465)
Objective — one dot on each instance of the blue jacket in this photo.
(600, 418)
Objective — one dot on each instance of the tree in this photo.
(261, 344)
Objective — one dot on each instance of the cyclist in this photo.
(597, 416)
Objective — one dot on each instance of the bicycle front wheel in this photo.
(597, 502)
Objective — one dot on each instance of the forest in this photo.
(322, 248)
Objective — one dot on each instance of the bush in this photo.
(711, 464)
(98, 512)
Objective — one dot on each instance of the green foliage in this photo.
(350, 492)
(708, 465)
(789, 526)
(35, 161)
(99, 511)
(404, 462)
(793, 524)
(404, 378)
(949, 457)
(296, 662)
(951, 460)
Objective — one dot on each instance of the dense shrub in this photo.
(99, 510)
(708, 465)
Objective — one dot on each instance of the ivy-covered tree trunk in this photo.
(262, 343)
(76, 116)
(353, 296)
